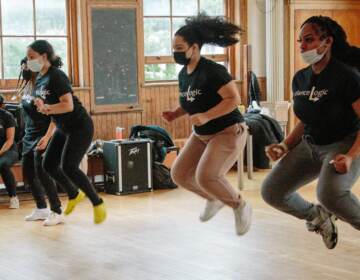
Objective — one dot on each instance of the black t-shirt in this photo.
(7, 120)
(50, 87)
(199, 93)
(323, 101)
(36, 124)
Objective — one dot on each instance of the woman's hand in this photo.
(42, 144)
(39, 102)
(169, 116)
(41, 106)
(276, 151)
(199, 119)
(342, 163)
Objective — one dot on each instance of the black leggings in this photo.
(6, 161)
(38, 179)
(64, 154)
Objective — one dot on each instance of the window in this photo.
(23, 21)
(162, 18)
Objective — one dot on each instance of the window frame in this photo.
(168, 59)
(72, 51)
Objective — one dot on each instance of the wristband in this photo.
(284, 146)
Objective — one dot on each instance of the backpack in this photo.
(161, 177)
(162, 139)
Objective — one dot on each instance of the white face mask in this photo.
(312, 56)
(34, 65)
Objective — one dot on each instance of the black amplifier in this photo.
(128, 166)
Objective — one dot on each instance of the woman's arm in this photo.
(231, 99)
(169, 116)
(43, 142)
(179, 112)
(65, 105)
(295, 136)
(10, 135)
(277, 151)
(50, 130)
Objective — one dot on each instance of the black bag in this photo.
(161, 177)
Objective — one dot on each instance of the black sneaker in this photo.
(325, 225)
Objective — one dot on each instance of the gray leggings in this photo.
(302, 165)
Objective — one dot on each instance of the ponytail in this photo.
(203, 29)
(43, 46)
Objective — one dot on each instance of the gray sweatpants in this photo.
(302, 165)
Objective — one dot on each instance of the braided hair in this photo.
(341, 49)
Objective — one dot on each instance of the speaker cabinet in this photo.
(128, 166)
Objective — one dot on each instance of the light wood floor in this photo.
(158, 237)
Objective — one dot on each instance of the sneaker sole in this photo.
(46, 225)
(34, 220)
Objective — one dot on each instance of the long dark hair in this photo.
(43, 46)
(341, 49)
(203, 29)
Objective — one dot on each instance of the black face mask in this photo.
(180, 58)
(26, 74)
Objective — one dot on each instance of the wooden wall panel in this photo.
(155, 100)
(350, 21)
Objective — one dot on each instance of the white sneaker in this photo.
(211, 208)
(38, 214)
(14, 202)
(243, 218)
(54, 219)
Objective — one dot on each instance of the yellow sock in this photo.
(73, 202)
(99, 213)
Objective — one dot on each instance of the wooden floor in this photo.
(158, 237)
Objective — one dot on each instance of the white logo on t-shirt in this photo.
(314, 95)
(191, 94)
(42, 92)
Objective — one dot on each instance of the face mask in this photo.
(311, 57)
(180, 58)
(34, 65)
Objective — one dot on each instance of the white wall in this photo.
(257, 37)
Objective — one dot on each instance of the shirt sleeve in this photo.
(219, 77)
(61, 84)
(352, 92)
(9, 120)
